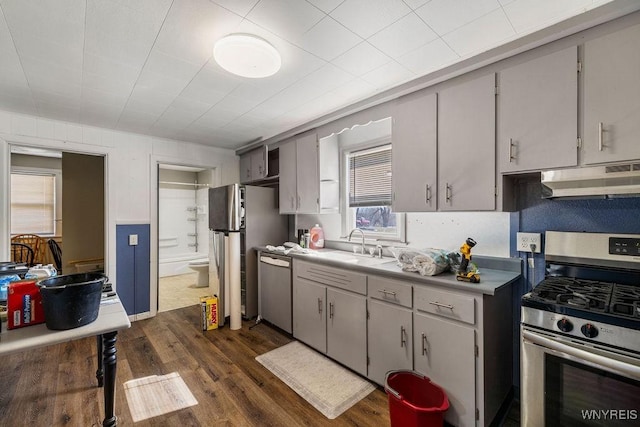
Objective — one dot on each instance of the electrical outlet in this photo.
(525, 240)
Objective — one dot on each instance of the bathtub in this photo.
(178, 263)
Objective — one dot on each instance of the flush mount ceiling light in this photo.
(247, 55)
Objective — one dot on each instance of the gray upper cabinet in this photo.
(611, 101)
(245, 168)
(466, 146)
(538, 113)
(288, 190)
(414, 138)
(253, 165)
(299, 175)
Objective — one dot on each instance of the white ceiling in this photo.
(146, 65)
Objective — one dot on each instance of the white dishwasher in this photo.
(274, 290)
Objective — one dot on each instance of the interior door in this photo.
(82, 210)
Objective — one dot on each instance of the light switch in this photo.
(133, 239)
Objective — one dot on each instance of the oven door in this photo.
(570, 383)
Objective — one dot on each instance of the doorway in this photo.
(49, 187)
(183, 235)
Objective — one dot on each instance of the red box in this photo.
(24, 304)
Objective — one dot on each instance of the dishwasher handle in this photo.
(284, 262)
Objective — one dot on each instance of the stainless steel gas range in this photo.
(580, 347)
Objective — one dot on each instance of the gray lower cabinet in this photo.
(390, 339)
(309, 314)
(347, 329)
(444, 351)
(330, 312)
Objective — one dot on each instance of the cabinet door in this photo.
(390, 336)
(445, 352)
(466, 146)
(259, 163)
(308, 178)
(245, 168)
(347, 329)
(309, 314)
(538, 113)
(287, 162)
(611, 101)
(414, 153)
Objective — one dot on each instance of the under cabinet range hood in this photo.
(611, 181)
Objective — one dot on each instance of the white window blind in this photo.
(32, 204)
(370, 177)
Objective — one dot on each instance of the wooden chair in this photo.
(56, 252)
(21, 253)
(36, 243)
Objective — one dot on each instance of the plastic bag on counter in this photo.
(427, 262)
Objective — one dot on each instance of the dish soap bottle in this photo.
(317, 237)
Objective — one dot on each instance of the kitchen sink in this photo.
(349, 257)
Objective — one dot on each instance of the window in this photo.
(370, 193)
(32, 203)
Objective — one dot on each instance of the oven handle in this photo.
(596, 359)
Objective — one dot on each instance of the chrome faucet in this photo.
(361, 232)
(379, 250)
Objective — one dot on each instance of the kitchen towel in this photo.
(155, 395)
(329, 387)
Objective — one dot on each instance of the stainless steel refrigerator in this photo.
(252, 212)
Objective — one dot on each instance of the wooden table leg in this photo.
(109, 360)
(100, 372)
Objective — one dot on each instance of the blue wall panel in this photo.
(133, 281)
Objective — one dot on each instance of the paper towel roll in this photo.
(235, 299)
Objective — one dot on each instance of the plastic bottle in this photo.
(317, 237)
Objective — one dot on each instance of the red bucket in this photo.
(414, 401)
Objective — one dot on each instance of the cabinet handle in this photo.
(448, 193)
(320, 305)
(511, 156)
(600, 132)
(330, 310)
(403, 340)
(292, 203)
(428, 193)
(298, 205)
(424, 344)
(386, 292)
(436, 303)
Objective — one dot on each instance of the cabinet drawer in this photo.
(447, 304)
(389, 290)
(336, 277)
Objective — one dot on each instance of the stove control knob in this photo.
(565, 325)
(589, 331)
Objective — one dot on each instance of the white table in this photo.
(111, 318)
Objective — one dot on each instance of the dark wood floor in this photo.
(56, 386)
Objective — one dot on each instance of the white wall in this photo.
(442, 230)
(131, 165)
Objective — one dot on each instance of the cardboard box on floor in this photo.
(209, 306)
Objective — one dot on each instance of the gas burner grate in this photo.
(567, 291)
(625, 301)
